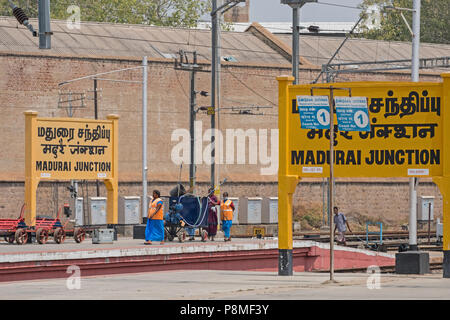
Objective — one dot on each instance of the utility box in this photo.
(425, 206)
(77, 205)
(129, 210)
(250, 210)
(98, 210)
(269, 211)
(412, 262)
(103, 236)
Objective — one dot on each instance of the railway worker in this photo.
(340, 222)
(155, 223)
(226, 215)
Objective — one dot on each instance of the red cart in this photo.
(47, 226)
(14, 229)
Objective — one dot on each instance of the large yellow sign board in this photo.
(70, 148)
(409, 137)
(405, 137)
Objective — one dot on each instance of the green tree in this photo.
(434, 21)
(174, 13)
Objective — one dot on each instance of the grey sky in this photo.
(274, 11)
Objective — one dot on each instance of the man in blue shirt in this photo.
(340, 222)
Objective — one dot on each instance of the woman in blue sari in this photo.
(155, 222)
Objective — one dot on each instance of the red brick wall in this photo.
(31, 82)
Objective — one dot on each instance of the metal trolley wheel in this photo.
(41, 235)
(59, 235)
(21, 236)
(79, 235)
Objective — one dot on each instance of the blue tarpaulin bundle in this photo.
(193, 213)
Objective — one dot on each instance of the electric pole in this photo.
(184, 65)
(215, 68)
(44, 24)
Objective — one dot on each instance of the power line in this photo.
(181, 85)
(338, 5)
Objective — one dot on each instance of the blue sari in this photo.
(154, 230)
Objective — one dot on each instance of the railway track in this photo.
(392, 240)
(434, 266)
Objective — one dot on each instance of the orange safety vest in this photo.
(160, 214)
(226, 212)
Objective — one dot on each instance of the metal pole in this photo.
(415, 78)
(295, 43)
(415, 41)
(429, 223)
(330, 185)
(218, 71)
(144, 137)
(95, 99)
(214, 55)
(191, 126)
(44, 24)
(96, 117)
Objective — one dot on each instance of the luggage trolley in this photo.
(14, 229)
(46, 226)
(186, 210)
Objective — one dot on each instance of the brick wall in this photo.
(386, 201)
(31, 82)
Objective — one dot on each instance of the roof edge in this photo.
(272, 41)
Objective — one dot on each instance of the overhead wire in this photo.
(338, 5)
(251, 89)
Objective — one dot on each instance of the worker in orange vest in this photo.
(226, 215)
(155, 222)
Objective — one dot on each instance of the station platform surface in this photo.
(233, 285)
(243, 268)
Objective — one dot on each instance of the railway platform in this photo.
(234, 288)
(127, 255)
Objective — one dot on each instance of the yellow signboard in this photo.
(70, 148)
(409, 137)
(405, 137)
(259, 232)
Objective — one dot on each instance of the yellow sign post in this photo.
(70, 148)
(409, 137)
